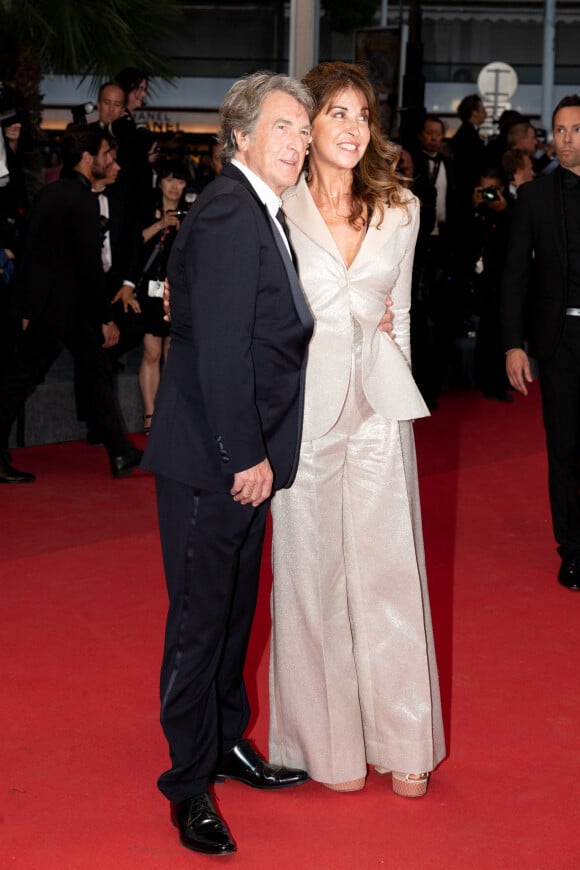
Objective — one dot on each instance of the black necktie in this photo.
(281, 218)
(434, 163)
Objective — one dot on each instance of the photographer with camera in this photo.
(492, 206)
(161, 224)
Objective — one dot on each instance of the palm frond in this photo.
(96, 37)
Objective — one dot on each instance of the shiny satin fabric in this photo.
(382, 268)
(353, 674)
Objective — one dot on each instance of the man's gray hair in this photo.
(242, 104)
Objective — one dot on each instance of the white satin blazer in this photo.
(382, 267)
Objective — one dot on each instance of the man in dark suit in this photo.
(468, 147)
(433, 309)
(225, 435)
(62, 299)
(541, 302)
(121, 253)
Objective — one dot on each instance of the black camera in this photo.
(180, 213)
(491, 194)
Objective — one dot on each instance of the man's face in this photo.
(102, 161)
(479, 114)
(490, 181)
(113, 168)
(567, 138)
(528, 143)
(111, 104)
(431, 136)
(275, 149)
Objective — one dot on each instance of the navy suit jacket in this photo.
(232, 388)
(535, 283)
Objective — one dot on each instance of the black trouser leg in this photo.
(212, 584)
(95, 372)
(560, 386)
(36, 350)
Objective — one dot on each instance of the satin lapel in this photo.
(301, 210)
(376, 238)
(295, 288)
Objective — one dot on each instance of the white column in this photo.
(384, 13)
(304, 36)
(548, 63)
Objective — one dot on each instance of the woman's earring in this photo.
(307, 151)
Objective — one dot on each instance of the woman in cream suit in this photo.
(353, 676)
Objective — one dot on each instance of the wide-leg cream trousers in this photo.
(353, 675)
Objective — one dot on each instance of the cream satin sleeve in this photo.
(401, 290)
(386, 368)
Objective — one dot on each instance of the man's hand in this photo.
(110, 334)
(254, 485)
(517, 366)
(388, 319)
(127, 296)
(166, 305)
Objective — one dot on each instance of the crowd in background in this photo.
(148, 187)
(466, 187)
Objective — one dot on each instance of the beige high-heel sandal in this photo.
(411, 785)
(350, 785)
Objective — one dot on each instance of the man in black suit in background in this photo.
(121, 253)
(434, 309)
(225, 435)
(62, 299)
(468, 148)
(541, 303)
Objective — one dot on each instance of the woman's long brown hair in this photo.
(376, 183)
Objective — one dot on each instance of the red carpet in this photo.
(82, 618)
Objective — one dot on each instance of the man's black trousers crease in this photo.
(560, 387)
(212, 549)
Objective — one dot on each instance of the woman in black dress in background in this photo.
(160, 227)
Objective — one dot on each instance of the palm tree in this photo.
(91, 38)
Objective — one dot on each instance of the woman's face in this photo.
(136, 97)
(340, 131)
(172, 188)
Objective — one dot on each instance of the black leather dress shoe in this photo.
(126, 462)
(244, 764)
(200, 826)
(9, 474)
(569, 573)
